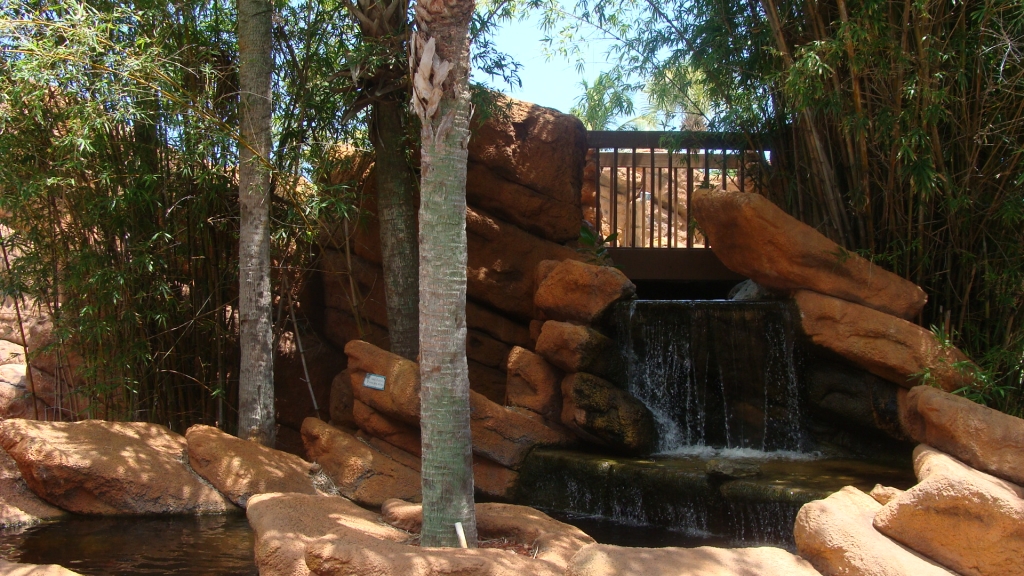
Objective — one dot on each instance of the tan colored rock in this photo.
(97, 467)
(533, 383)
(575, 348)
(755, 238)
(393, 432)
(15, 399)
(567, 438)
(837, 537)
(888, 347)
(554, 541)
(502, 263)
(11, 353)
(18, 505)
(984, 438)
(885, 494)
(603, 414)
(966, 520)
(504, 436)
(34, 320)
(557, 221)
(284, 523)
(608, 560)
(391, 451)
(241, 469)
(19, 569)
(580, 292)
(360, 472)
(499, 327)
(542, 150)
(400, 398)
(341, 401)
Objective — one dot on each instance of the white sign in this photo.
(375, 381)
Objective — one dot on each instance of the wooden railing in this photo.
(640, 184)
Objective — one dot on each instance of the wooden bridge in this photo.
(640, 185)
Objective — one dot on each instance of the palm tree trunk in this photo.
(256, 374)
(441, 99)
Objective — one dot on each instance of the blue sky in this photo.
(553, 82)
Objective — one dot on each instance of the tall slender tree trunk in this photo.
(256, 375)
(440, 65)
(396, 210)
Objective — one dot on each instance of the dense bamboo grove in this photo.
(897, 128)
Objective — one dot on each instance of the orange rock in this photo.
(486, 350)
(885, 494)
(534, 384)
(18, 505)
(580, 292)
(884, 345)
(575, 348)
(608, 560)
(487, 381)
(984, 438)
(285, 523)
(97, 467)
(551, 219)
(241, 469)
(567, 437)
(502, 262)
(341, 401)
(292, 399)
(340, 327)
(368, 279)
(605, 415)
(493, 480)
(499, 327)
(391, 451)
(554, 541)
(360, 472)
(965, 519)
(391, 431)
(400, 398)
(542, 150)
(836, 536)
(755, 238)
(502, 435)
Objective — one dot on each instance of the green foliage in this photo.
(896, 128)
(595, 246)
(118, 193)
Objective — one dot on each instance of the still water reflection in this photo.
(181, 545)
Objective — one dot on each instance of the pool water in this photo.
(128, 545)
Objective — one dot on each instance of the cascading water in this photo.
(715, 374)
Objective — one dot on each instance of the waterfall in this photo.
(715, 374)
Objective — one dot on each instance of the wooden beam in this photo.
(688, 264)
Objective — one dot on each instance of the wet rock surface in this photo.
(97, 467)
(606, 415)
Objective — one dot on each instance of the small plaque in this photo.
(375, 381)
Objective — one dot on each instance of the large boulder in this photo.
(755, 238)
(608, 560)
(285, 523)
(554, 541)
(854, 396)
(899, 351)
(601, 413)
(984, 438)
(575, 348)
(240, 469)
(360, 472)
(965, 519)
(18, 505)
(503, 435)
(398, 434)
(97, 467)
(526, 165)
(837, 537)
(579, 292)
(502, 263)
(534, 384)
(400, 396)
